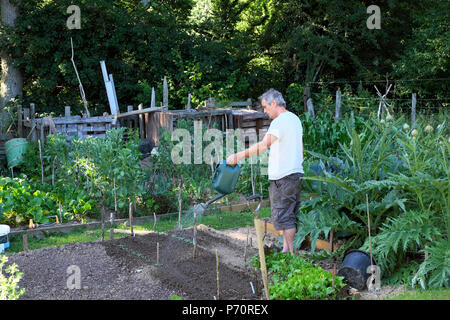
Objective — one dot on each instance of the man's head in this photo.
(273, 103)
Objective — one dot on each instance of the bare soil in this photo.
(125, 269)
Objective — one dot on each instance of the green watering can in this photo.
(224, 180)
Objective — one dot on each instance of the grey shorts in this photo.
(285, 200)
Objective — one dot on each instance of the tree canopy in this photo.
(229, 49)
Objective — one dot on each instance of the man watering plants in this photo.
(285, 170)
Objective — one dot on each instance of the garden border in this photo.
(68, 227)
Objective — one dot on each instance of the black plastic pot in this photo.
(354, 268)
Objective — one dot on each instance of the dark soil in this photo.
(125, 269)
(178, 271)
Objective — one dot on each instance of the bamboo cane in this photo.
(368, 224)
(218, 278)
(262, 257)
(195, 236)
(157, 253)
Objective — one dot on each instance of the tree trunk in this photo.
(11, 79)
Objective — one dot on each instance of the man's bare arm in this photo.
(255, 149)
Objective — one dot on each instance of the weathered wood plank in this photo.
(136, 112)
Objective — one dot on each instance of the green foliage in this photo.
(9, 289)
(22, 201)
(165, 173)
(397, 236)
(323, 135)
(434, 271)
(405, 179)
(293, 278)
(402, 276)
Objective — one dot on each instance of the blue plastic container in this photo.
(4, 237)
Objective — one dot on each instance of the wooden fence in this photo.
(147, 121)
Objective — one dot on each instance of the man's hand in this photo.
(232, 160)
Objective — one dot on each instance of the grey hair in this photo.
(273, 94)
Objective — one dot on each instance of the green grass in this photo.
(58, 239)
(220, 221)
(431, 294)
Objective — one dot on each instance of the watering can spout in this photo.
(215, 199)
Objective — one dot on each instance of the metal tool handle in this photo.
(252, 197)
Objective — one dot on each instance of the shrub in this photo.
(9, 284)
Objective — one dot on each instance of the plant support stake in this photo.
(195, 235)
(130, 214)
(368, 224)
(218, 278)
(83, 96)
(157, 254)
(179, 203)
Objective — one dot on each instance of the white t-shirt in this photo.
(286, 153)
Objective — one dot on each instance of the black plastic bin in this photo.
(354, 268)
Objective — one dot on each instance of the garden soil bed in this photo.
(125, 269)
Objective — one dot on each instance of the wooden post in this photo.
(154, 222)
(67, 111)
(338, 105)
(153, 99)
(188, 106)
(111, 234)
(25, 241)
(19, 121)
(130, 214)
(165, 95)
(141, 123)
(306, 95)
(413, 110)
(129, 109)
(33, 122)
(26, 114)
(249, 104)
